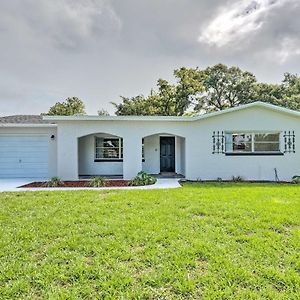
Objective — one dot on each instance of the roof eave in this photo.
(116, 118)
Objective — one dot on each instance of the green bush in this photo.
(55, 182)
(97, 182)
(142, 178)
(296, 179)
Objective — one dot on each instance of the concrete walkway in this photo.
(11, 185)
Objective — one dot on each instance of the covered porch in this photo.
(114, 157)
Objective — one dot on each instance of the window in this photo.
(267, 142)
(262, 142)
(108, 148)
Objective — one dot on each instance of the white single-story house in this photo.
(256, 141)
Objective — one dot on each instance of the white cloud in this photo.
(289, 47)
(100, 49)
(63, 23)
(236, 21)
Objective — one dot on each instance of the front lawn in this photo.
(203, 241)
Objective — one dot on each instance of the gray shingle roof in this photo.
(23, 119)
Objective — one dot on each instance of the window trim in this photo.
(253, 152)
(274, 153)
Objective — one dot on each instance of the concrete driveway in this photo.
(11, 185)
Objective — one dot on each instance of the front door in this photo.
(167, 154)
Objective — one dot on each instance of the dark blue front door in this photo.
(167, 154)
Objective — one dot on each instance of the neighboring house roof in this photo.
(24, 121)
(172, 118)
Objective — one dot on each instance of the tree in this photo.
(286, 94)
(70, 107)
(291, 94)
(176, 99)
(169, 99)
(225, 87)
(271, 93)
(214, 88)
(137, 106)
(103, 112)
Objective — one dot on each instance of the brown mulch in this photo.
(78, 183)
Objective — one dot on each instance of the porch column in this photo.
(67, 155)
(190, 159)
(132, 156)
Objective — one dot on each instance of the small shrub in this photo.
(237, 178)
(142, 178)
(296, 179)
(97, 182)
(55, 182)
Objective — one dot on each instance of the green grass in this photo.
(204, 241)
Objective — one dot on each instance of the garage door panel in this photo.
(19, 153)
(4, 149)
(23, 156)
(22, 165)
(29, 159)
(22, 138)
(23, 143)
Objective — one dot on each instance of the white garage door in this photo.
(23, 156)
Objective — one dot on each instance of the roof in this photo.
(41, 121)
(173, 118)
(24, 119)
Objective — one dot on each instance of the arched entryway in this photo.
(100, 154)
(164, 154)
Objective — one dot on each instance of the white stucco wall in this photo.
(52, 144)
(200, 163)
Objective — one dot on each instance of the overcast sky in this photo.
(101, 49)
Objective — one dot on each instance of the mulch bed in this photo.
(74, 184)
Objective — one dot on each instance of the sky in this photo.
(99, 50)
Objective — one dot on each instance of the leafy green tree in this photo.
(225, 87)
(70, 107)
(102, 112)
(291, 95)
(138, 106)
(169, 99)
(286, 94)
(215, 88)
(176, 99)
(265, 92)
